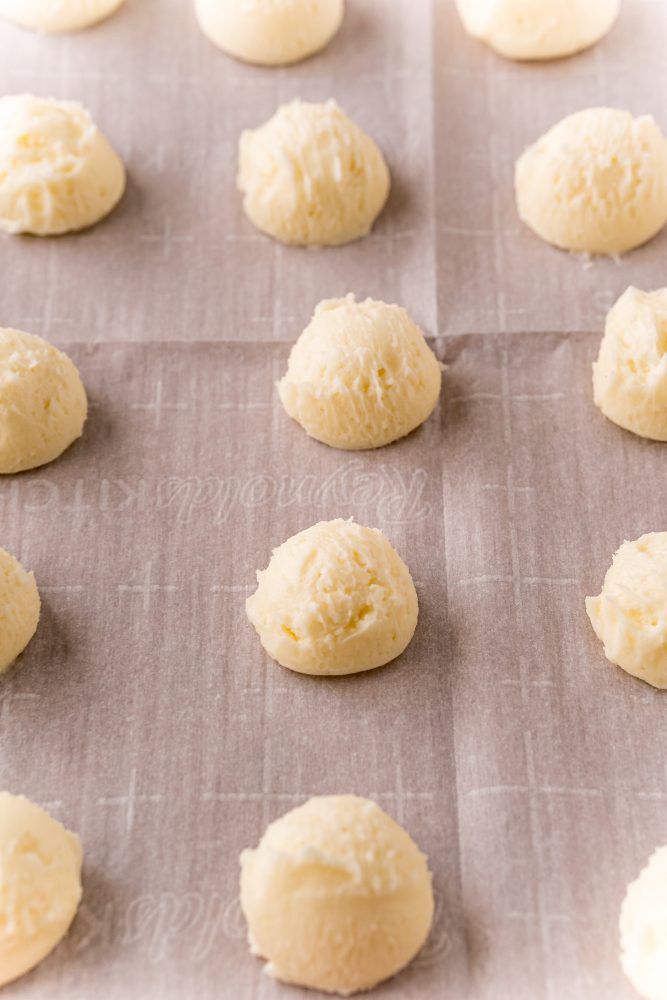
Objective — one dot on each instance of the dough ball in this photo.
(337, 895)
(19, 617)
(335, 599)
(43, 403)
(630, 375)
(270, 32)
(40, 884)
(57, 15)
(538, 29)
(630, 615)
(58, 173)
(643, 926)
(310, 176)
(360, 375)
(596, 182)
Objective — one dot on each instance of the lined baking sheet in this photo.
(144, 714)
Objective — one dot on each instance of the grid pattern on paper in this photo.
(143, 713)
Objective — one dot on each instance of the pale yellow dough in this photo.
(57, 15)
(270, 32)
(335, 599)
(19, 616)
(40, 884)
(630, 375)
(630, 615)
(538, 29)
(360, 375)
(43, 403)
(337, 896)
(311, 177)
(596, 182)
(643, 926)
(58, 173)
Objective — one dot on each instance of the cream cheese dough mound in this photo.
(43, 403)
(630, 615)
(54, 16)
(596, 182)
(40, 884)
(335, 599)
(630, 375)
(337, 896)
(19, 614)
(270, 32)
(538, 29)
(643, 926)
(360, 375)
(58, 173)
(311, 177)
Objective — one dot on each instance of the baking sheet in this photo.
(144, 713)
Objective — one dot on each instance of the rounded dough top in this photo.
(335, 599)
(270, 32)
(311, 177)
(538, 29)
(19, 611)
(337, 896)
(596, 182)
(58, 173)
(360, 375)
(43, 403)
(643, 927)
(57, 15)
(630, 375)
(630, 615)
(40, 884)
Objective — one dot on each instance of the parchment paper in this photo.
(144, 714)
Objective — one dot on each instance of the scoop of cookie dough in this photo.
(596, 182)
(58, 173)
(40, 884)
(57, 15)
(270, 32)
(335, 599)
(538, 29)
(643, 926)
(360, 375)
(43, 403)
(19, 615)
(630, 615)
(337, 896)
(630, 375)
(310, 176)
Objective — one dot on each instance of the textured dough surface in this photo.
(538, 29)
(311, 177)
(630, 375)
(270, 32)
(630, 615)
(643, 927)
(337, 895)
(58, 173)
(596, 182)
(57, 15)
(40, 884)
(360, 375)
(19, 612)
(335, 599)
(43, 403)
